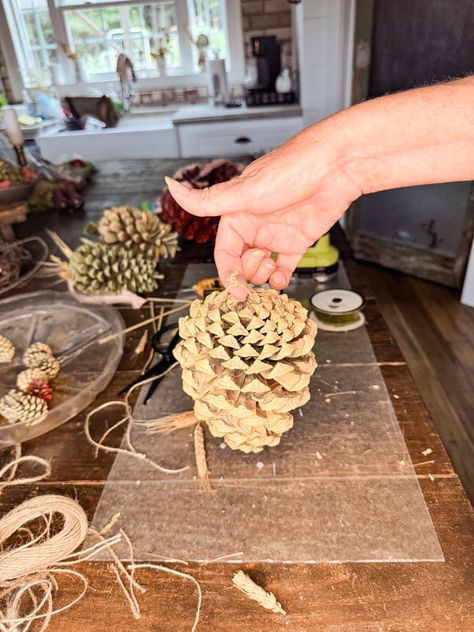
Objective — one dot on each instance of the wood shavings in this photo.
(427, 452)
(344, 393)
(319, 456)
(431, 477)
(112, 522)
(255, 592)
(140, 348)
(423, 463)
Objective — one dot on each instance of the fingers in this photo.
(257, 265)
(282, 237)
(285, 266)
(226, 197)
(227, 254)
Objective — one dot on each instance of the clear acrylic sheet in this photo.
(339, 487)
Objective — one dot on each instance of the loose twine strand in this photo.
(127, 418)
(8, 472)
(167, 423)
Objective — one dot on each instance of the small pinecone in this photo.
(36, 353)
(40, 388)
(50, 366)
(141, 231)
(18, 406)
(7, 349)
(29, 375)
(103, 269)
(247, 364)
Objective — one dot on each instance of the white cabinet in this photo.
(110, 144)
(244, 136)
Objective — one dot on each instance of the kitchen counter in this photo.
(208, 113)
(175, 131)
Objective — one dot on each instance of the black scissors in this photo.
(167, 359)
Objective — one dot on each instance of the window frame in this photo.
(180, 77)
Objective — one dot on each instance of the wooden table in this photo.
(331, 597)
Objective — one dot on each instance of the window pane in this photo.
(75, 3)
(32, 34)
(98, 35)
(207, 17)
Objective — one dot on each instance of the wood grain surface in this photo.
(330, 597)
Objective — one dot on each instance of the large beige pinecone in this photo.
(7, 349)
(142, 231)
(17, 406)
(247, 364)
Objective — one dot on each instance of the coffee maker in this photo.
(266, 56)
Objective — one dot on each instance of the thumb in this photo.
(220, 199)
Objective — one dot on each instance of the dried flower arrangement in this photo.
(197, 176)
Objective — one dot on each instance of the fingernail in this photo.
(239, 292)
(278, 280)
(176, 187)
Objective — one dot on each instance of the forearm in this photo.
(422, 136)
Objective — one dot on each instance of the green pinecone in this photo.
(103, 269)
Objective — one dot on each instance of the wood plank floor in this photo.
(436, 335)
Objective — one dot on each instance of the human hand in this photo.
(281, 203)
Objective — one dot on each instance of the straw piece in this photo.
(201, 459)
(255, 592)
(143, 323)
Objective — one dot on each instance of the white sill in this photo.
(177, 79)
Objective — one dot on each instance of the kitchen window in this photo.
(55, 40)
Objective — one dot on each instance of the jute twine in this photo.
(29, 571)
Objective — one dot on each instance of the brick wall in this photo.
(267, 17)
